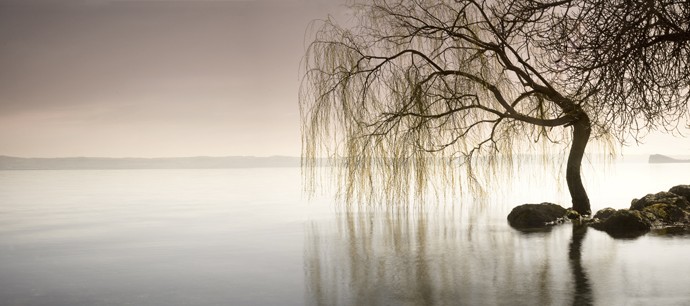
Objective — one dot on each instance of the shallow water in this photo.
(248, 237)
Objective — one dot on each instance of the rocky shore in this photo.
(665, 211)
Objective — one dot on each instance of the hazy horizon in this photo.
(679, 154)
(151, 157)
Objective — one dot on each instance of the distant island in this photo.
(201, 162)
(663, 159)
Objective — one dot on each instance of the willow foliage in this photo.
(448, 92)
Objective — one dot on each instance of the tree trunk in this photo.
(581, 130)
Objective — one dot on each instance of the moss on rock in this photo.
(663, 211)
(681, 190)
(660, 198)
(666, 213)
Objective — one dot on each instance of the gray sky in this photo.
(160, 78)
(152, 78)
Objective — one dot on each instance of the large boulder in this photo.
(624, 223)
(681, 190)
(660, 198)
(530, 216)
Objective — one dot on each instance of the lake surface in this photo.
(250, 237)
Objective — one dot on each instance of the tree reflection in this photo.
(438, 256)
(583, 290)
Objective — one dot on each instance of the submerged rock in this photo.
(624, 223)
(672, 231)
(530, 216)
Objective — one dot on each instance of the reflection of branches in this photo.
(583, 290)
(442, 256)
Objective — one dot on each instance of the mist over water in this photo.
(250, 237)
(151, 237)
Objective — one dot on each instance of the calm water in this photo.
(248, 237)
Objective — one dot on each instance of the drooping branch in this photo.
(415, 78)
(417, 82)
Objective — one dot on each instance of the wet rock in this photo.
(681, 190)
(663, 212)
(660, 198)
(666, 214)
(656, 221)
(528, 216)
(672, 231)
(572, 214)
(604, 213)
(624, 223)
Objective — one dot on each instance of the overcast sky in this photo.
(159, 78)
(152, 78)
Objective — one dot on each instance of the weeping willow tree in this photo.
(415, 84)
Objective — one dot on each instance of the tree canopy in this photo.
(630, 58)
(415, 82)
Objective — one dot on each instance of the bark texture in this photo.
(581, 131)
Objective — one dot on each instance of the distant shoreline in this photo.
(86, 163)
(663, 159)
(199, 162)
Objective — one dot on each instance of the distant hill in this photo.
(663, 159)
(202, 162)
